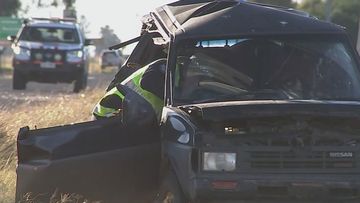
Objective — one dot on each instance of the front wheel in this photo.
(19, 81)
(170, 191)
(80, 82)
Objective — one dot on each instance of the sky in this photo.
(124, 17)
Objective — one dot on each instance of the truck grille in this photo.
(299, 160)
(47, 55)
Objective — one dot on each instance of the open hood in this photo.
(219, 111)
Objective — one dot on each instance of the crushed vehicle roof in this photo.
(221, 18)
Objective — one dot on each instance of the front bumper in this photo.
(66, 72)
(287, 187)
(335, 181)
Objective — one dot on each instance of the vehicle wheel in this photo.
(19, 82)
(85, 80)
(80, 82)
(170, 191)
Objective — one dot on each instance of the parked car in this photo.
(261, 102)
(51, 51)
(110, 58)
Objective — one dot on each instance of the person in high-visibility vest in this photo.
(148, 82)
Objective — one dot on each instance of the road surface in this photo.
(40, 92)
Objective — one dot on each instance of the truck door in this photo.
(108, 160)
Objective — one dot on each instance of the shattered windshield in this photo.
(298, 68)
(49, 34)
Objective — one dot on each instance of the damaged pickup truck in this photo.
(261, 102)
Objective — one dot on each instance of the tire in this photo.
(19, 82)
(80, 82)
(170, 191)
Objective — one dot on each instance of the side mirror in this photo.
(11, 38)
(88, 42)
(137, 112)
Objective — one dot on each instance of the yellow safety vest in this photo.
(133, 82)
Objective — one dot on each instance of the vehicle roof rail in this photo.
(58, 20)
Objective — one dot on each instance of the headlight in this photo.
(219, 161)
(38, 56)
(74, 56)
(57, 57)
(22, 53)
